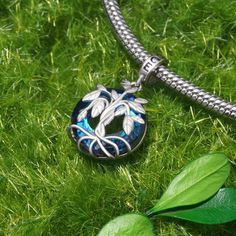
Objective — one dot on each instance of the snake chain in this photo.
(162, 73)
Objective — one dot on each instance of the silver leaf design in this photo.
(126, 84)
(137, 107)
(108, 111)
(141, 100)
(98, 107)
(138, 119)
(128, 124)
(82, 115)
(114, 94)
(109, 118)
(101, 87)
(100, 130)
(108, 108)
(120, 111)
(92, 96)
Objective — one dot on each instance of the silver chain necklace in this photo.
(99, 109)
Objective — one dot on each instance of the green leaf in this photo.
(128, 225)
(199, 180)
(219, 209)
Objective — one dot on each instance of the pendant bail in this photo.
(148, 67)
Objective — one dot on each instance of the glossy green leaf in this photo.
(128, 225)
(218, 210)
(199, 180)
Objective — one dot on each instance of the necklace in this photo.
(104, 106)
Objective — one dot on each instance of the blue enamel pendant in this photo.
(109, 123)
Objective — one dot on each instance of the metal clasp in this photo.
(148, 67)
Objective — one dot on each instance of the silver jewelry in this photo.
(108, 104)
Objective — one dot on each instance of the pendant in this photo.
(110, 123)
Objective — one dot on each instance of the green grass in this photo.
(53, 52)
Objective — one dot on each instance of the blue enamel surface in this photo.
(133, 139)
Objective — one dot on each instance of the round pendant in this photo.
(108, 123)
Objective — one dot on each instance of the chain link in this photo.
(162, 73)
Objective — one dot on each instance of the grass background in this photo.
(53, 52)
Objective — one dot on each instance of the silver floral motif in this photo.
(108, 107)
